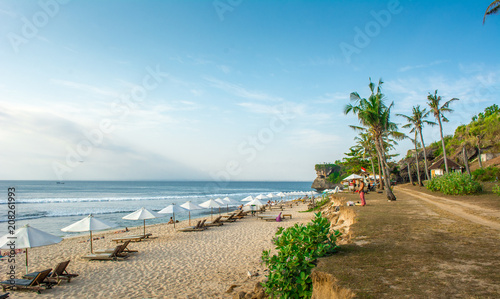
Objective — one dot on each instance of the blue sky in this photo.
(223, 90)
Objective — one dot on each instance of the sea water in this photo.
(50, 206)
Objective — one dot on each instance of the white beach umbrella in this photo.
(27, 237)
(270, 195)
(221, 202)
(209, 204)
(142, 214)
(281, 194)
(248, 198)
(88, 224)
(261, 196)
(173, 208)
(230, 202)
(255, 202)
(188, 205)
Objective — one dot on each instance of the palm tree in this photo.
(416, 121)
(438, 109)
(365, 146)
(374, 115)
(416, 159)
(493, 8)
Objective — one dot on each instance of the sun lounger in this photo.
(106, 256)
(229, 218)
(4, 296)
(123, 250)
(34, 284)
(200, 226)
(55, 276)
(271, 217)
(216, 222)
(131, 238)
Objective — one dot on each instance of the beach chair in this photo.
(55, 276)
(123, 250)
(216, 222)
(113, 256)
(277, 218)
(200, 226)
(34, 284)
(240, 214)
(4, 296)
(131, 238)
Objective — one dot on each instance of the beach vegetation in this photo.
(493, 8)
(488, 174)
(434, 102)
(455, 183)
(298, 247)
(374, 116)
(496, 189)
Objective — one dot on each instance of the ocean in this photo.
(50, 206)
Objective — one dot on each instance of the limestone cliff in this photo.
(323, 171)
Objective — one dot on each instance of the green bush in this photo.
(496, 190)
(298, 248)
(488, 174)
(454, 183)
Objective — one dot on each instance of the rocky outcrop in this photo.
(322, 172)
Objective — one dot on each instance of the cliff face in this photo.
(322, 172)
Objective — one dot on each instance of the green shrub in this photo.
(454, 183)
(298, 248)
(496, 190)
(488, 174)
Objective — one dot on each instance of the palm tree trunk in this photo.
(416, 158)
(466, 159)
(425, 156)
(385, 172)
(479, 155)
(442, 143)
(381, 183)
(409, 173)
(373, 168)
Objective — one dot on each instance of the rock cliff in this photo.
(322, 172)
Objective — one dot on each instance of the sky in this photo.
(224, 90)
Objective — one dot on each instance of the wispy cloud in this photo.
(86, 88)
(420, 66)
(240, 91)
(314, 138)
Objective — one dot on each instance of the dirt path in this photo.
(461, 209)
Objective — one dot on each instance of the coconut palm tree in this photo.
(434, 102)
(493, 8)
(374, 115)
(416, 121)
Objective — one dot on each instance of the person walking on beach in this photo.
(362, 192)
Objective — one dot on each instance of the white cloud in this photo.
(240, 91)
(420, 66)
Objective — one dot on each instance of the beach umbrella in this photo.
(270, 195)
(188, 205)
(221, 202)
(248, 198)
(281, 194)
(173, 208)
(209, 204)
(228, 201)
(142, 214)
(255, 202)
(27, 237)
(88, 224)
(261, 196)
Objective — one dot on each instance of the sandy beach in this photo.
(173, 265)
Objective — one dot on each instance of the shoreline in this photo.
(173, 265)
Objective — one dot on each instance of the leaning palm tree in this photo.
(416, 121)
(438, 109)
(374, 115)
(493, 8)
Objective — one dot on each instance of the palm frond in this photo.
(493, 8)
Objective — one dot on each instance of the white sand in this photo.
(174, 265)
